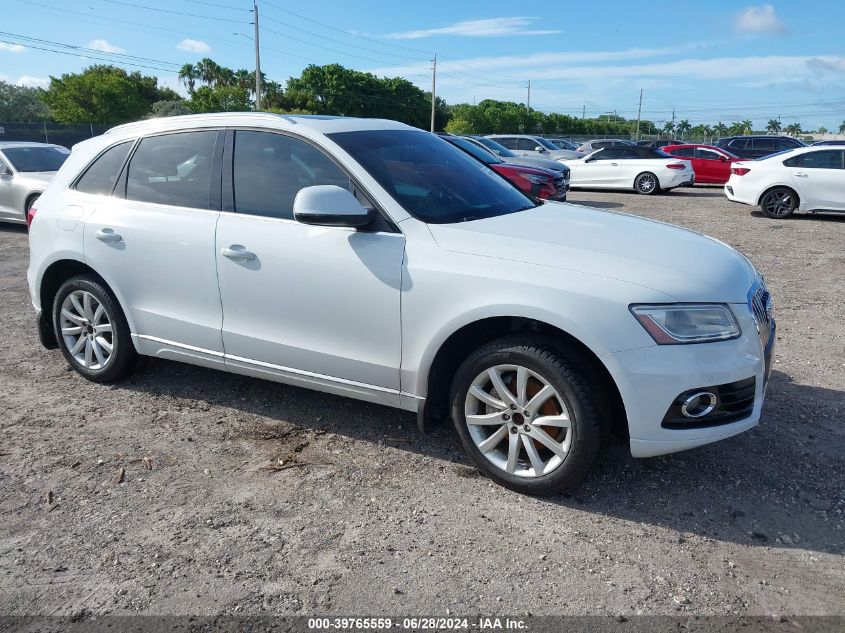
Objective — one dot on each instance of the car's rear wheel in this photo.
(646, 183)
(778, 203)
(527, 416)
(92, 330)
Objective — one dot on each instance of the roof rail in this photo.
(192, 117)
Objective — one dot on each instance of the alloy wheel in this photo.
(646, 183)
(778, 203)
(87, 331)
(518, 421)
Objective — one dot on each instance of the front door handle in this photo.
(237, 253)
(801, 174)
(108, 236)
(614, 164)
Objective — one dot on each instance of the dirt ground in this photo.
(157, 495)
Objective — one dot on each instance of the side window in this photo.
(270, 169)
(738, 143)
(707, 154)
(101, 175)
(827, 159)
(689, 152)
(785, 143)
(628, 154)
(764, 144)
(602, 144)
(173, 169)
(507, 141)
(610, 153)
(526, 144)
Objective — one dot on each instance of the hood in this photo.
(682, 264)
(35, 177)
(543, 163)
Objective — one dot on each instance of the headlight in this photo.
(537, 180)
(687, 323)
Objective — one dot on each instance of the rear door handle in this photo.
(614, 164)
(108, 236)
(801, 174)
(237, 253)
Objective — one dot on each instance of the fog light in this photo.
(699, 404)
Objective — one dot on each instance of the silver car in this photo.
(508, 156)
(527, 145)
(602, 143)
(25, 171)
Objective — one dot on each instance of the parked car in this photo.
(532, 181)
(25, 170)
(710, 164)
(757, 146)
(562, 143)
(370, 259)
(644, 170)
(805, 179)
(659, 144)
(840, 142)
(508, 156)
(591, 146)
(526, 145)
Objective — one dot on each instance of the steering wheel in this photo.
(439, 197)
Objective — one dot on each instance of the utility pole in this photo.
(433, 88)
(639, 112)
(257, 60)
(528, 100)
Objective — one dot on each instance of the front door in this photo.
(819, 178)
(305, 302)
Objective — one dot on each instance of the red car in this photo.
(532, 181)
(710, 164)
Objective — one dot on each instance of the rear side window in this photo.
(173, 169)
(527, 144)
(507, 141)
(683, 151)
(100, 177)
(765, 144)
(707, 154)
(270, 169)
(785, 143)
(738, 143)
(827, 159)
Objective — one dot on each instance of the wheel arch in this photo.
(31, 196)
(658, 185)
(780, 185)
(456, 347)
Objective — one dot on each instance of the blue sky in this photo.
(708, 61)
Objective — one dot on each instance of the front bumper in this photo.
(650, 378)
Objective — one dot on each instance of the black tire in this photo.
(647, 184)
(123, 354)
(778, 203)
(570, 382)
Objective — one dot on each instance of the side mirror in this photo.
(4, 170)
(540, 149)
(724, 159)
(330, 205)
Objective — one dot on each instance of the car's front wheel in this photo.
(778, 203)
(92, 330)
(646, 184)
(527, 416)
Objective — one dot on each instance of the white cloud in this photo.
(490, 27)
(104, 47)
(32, 82)
(193, 46)
(12, 48)
(759, 20)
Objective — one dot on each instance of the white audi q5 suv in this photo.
(370, 259)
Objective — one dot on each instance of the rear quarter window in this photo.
(100, 176)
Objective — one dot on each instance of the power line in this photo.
(170, 11)
(333, 50)
(87, 56)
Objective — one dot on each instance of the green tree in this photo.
(842, 127)
(19, 104)
(773, 126)
(720, 129)
(747, 127)
(103, 94)
(683, 127)
(188, 75)
(460, 126)
(169, 108)
(220, 99)
(669, 128)
(793, 129)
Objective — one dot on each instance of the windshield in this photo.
(498, 148)
(36, 158)
(430, 178)
(474, 150)
(546, 144)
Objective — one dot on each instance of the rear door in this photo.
(154, 240)
(763, 147)
(819, 178)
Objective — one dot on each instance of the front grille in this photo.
(734, 401)
(760, 304)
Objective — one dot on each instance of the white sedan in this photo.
(803, 179)
(645, 170)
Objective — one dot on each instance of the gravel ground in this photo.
(157, 495)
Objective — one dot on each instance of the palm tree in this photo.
(793, 129)
(208, 71)
(188, 75)
(669, 128)
(747, 127)
(773, 126)
(244, 80)
(736, 128)
(683, 127)
(822, 130)
(842, 128)
(720, 129)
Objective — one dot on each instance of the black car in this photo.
(842, 142)
(658, 144)
(758, 146)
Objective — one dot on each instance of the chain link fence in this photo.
(56, 133)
